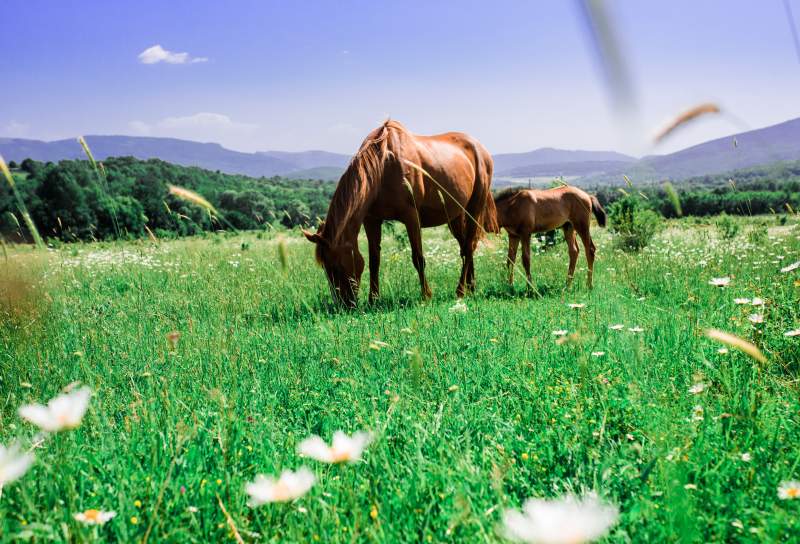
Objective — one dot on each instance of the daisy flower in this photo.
(598, 353)
(343, 448)
(789, 490)
(793, 266)
(459, 307)
(94, 517)
(576, 306)
(290, 486)
(13, 464)
(617, 327)
(568, 520)
(636, 329)
(741, 301)
(755, 318)
(697, 388)
(61, 413)
(746, 457)
(560, 332)
(719, 282)
(795, 332)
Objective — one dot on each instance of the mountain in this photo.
(766, 145)
(310, 159)
(752, 148)
(514, 164)
(182, 152)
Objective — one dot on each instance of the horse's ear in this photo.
(314, 237)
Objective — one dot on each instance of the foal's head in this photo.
(343, 266)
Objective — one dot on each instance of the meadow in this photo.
(211, 358)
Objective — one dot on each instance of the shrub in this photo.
(759, 234)
(727, 227)
(633, 225)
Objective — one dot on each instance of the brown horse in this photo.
(421, 181)
(523, 212)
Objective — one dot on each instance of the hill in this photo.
(518, 164)
(210, 156)
(767, 145)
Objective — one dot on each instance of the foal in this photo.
(523, 212)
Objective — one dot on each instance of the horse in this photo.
(420, 181)
(523, 212)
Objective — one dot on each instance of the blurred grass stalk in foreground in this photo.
(37, 239)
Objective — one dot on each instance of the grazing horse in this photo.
(421, 181)
(523, 212)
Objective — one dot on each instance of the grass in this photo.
(486, 411)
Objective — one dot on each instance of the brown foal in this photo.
(523, 212)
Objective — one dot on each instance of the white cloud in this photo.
(203, 126)
(14, 130)
(139, 127)
(156, 54)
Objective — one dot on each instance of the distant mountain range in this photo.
(183, 152)
(771, 144)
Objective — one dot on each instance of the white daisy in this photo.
(94, 517)
(568, 520)
(719, 282)
(789, 490)
(288, 487)
(61, 413)
(793, 266)
(13, 463)
(343, 448)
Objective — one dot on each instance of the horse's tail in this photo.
(598, 211)
(490, 223)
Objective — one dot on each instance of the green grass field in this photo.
(473, 412)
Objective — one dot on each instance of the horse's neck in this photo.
(347, 220)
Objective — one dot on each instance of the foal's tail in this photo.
(598, 211)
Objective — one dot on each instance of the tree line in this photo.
(769, 189)
(71, 201)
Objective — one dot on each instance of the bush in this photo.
(727, 227)
(759, 234)
(633, 225)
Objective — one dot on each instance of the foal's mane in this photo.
(361, 178)
(508, 193)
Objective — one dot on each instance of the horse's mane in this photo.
(364, 172)
(508, 193)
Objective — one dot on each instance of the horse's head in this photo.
(343, 264)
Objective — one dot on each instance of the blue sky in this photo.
(320, 74)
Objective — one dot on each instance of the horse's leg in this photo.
(457, 229)
(513, 243)
(526, 257)
(572, 247)
(588, 245)
(468, 249)
(373, 230)
(415, 240)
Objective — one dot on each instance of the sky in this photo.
(259, 75)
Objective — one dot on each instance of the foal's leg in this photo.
(526, 257)
(572, 247)
(415, 240)
(588, 245)
(373, 230)
(513, 243)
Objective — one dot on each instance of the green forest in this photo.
(71, 201)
